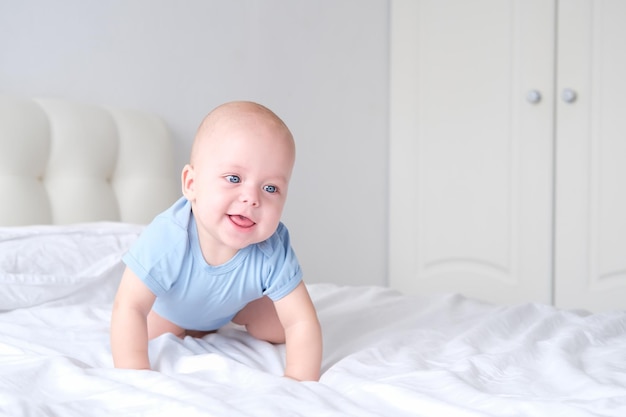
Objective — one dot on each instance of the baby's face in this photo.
(240, 179)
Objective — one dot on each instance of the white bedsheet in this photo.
(384, 355)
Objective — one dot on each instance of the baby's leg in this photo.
(157, 326)
(261, 320)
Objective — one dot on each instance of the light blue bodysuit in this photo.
(195, 295)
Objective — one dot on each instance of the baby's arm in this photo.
(129, 329)
(303, 335)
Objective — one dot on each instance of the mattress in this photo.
(385, 353)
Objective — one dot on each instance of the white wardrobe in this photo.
(508, 150)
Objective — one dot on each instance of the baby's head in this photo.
(238, 177)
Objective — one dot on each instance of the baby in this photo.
(220, 253)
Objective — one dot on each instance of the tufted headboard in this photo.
(66, 162)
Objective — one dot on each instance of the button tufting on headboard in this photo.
(67, 162)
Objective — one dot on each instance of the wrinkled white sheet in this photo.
(385, 355)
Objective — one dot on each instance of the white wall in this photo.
(322, 65)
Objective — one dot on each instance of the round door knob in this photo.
(533, 96)
(568, 95)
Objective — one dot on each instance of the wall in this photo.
(321, 65)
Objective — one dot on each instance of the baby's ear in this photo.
(187, 182)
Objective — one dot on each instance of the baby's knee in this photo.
(158, 325)
(261, 320)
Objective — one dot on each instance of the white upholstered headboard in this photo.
(66, 162)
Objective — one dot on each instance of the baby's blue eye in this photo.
(233, 178)
(270, 188)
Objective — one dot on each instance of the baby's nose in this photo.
(250, 196)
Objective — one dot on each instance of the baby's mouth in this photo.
(241, 221)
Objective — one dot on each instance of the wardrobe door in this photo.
(590, 268)
(471, 148)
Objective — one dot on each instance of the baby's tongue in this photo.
(242, 221)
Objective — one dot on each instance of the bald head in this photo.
(239, 172)
(219, 124)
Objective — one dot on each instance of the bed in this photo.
(385, 354)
